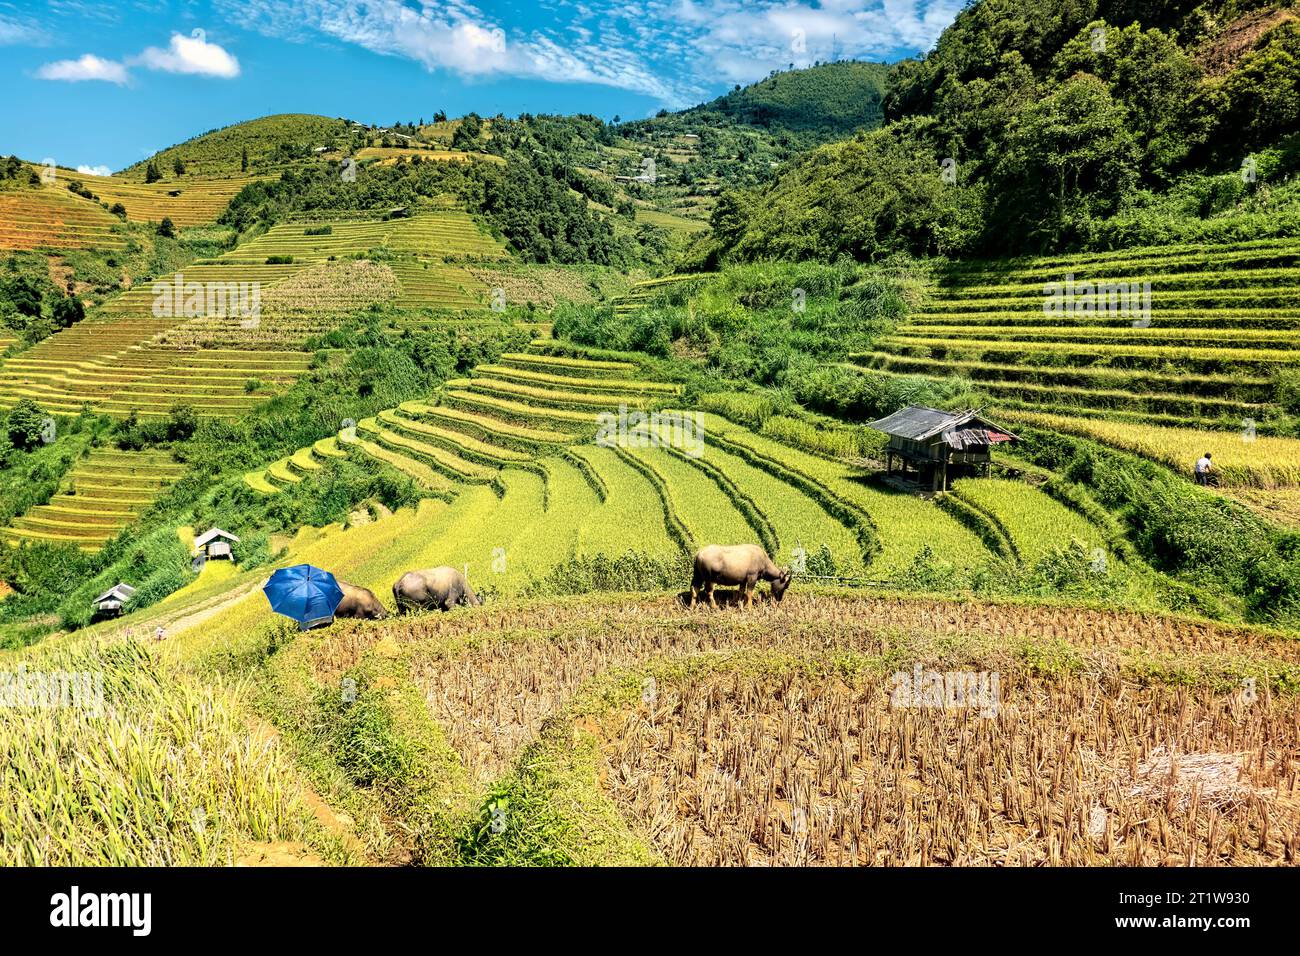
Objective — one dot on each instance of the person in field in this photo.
(1204, 466)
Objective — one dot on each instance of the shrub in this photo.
(68, 311)
(25, 425)
(182, 422)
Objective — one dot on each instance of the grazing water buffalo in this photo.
(441, 588)
(743, 565)
(360, 602)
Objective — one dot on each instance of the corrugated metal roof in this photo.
(207, 536)
(120, 591)
(920, 423)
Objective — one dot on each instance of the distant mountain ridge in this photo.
(1052, 126)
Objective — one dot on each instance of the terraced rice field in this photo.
(1222, 320)
(387, 155)
(119, 365)
(525, 429)
(547, 285)
(617, 729)
(428, 284)
(443, 234)
(1032, 523)
(903, 523)
(632, 731)
(666, 220)
(125, 359)
(643, 293)
(198, 201)
(302, 304)
(101, 495)
(1241, 459)
(140, 299)
(50, 217)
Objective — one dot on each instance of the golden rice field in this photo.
(131, 779)
(187, 201)
(546, 285)
(50, 217)
(443, 234)
(1032, 523)
(1222, 320)
(120, 365)
(307, 303)
(387, 155)
(224, 362)
(100, 495)
(632, 730)
(1241, 459)
(526, 427)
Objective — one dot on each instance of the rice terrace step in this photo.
(100, 496)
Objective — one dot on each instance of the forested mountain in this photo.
(1058, 124)
(742, 138)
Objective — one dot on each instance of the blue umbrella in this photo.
(305, 593)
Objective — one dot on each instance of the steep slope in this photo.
(1053, 126)
(741, 138)
(271, 142)
(817, 104)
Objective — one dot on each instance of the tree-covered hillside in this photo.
(1059, 124)
(262, 145)
(816, 104)
(742, 138)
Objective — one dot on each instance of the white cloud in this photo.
(192, 55)
(94, 171)
(87, 67)
(14, 32)
(459, 37)
(746, 40)
(673, 50)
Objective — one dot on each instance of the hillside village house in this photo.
(939, 445)
(109, 604)
(215, 543)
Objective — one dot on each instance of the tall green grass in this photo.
(161, 772)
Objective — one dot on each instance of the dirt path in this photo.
(191, 618)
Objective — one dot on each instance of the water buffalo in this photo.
(441, 588)
(360, 602)
(743, 565)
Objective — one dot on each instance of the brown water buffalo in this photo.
(360, 602)
(434, 588)
(743, 565)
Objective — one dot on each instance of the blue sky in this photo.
(96, 85)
